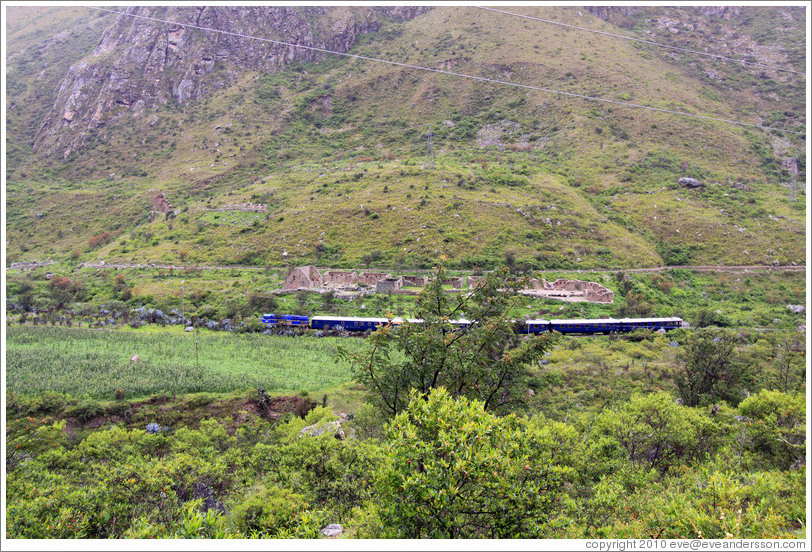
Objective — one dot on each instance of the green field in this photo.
(95, 363)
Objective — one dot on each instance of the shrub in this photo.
(778, 424)
(274, 513)
(457, 471)
(86, 409)
(654, 431)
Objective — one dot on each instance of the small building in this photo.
(371, 278)
(388, 285)
(415, 281)
(339, 278)
(307, 277)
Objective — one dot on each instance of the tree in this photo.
(779, 424)
(653, 431)
(454, 470)
(711, 370)
(486, 360)
(788, 352)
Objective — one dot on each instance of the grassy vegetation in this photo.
(337, 151)
(82, 362)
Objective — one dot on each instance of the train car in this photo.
(349, 323)
(286, 320)
(586, 326)
(535, 326)
(654, 324)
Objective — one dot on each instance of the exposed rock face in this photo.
(142, 62)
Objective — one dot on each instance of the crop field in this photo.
(96, 363)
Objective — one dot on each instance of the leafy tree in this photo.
(485, 360)
(788, 353)
(653, 431)
(457, 471)
(711, 369)
(635, 305)
(779, 423)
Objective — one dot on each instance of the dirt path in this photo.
(702, 268)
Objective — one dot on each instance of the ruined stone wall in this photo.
(456, 283)
(592, 291)
(340, 278)
(371, 278)
(415, 281)
(303, 277)
(388, 285)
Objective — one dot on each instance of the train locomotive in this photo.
(354, 324)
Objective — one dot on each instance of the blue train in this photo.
(572, 326)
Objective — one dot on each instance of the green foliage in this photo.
(675, 254)
(457, 471)
(653, 431)
(778, 422)
(485, 360)
(334, 474)
(86, 409)
(82, 361)
(711, 370)
(273, 512)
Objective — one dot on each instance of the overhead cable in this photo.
(450, 73)
(643, 41)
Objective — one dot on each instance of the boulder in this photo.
(332, 530)
(690, 182)
(323, 427)
(797, 309)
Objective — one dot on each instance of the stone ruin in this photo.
(572, 290)
(372, 278)
(303, 277)
(415, 281)
(309, 278)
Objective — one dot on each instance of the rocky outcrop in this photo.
(154, 55)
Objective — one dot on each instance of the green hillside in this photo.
(347, 161)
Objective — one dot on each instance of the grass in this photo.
(96, 363)
(354, 180)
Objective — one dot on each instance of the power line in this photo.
(643, 41)
(450, 73)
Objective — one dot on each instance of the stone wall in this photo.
(415, 281)
(371, 278)
(308, 277)
(303, 277)
(592, 291)
(456, 283)
(340, 278)
(388, 285)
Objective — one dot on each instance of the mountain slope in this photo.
(158, 135)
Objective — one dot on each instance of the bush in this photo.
(274, 513)
(778, 425)
(50, 401)
(654, 431)
(86, 409)
(457, 471)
